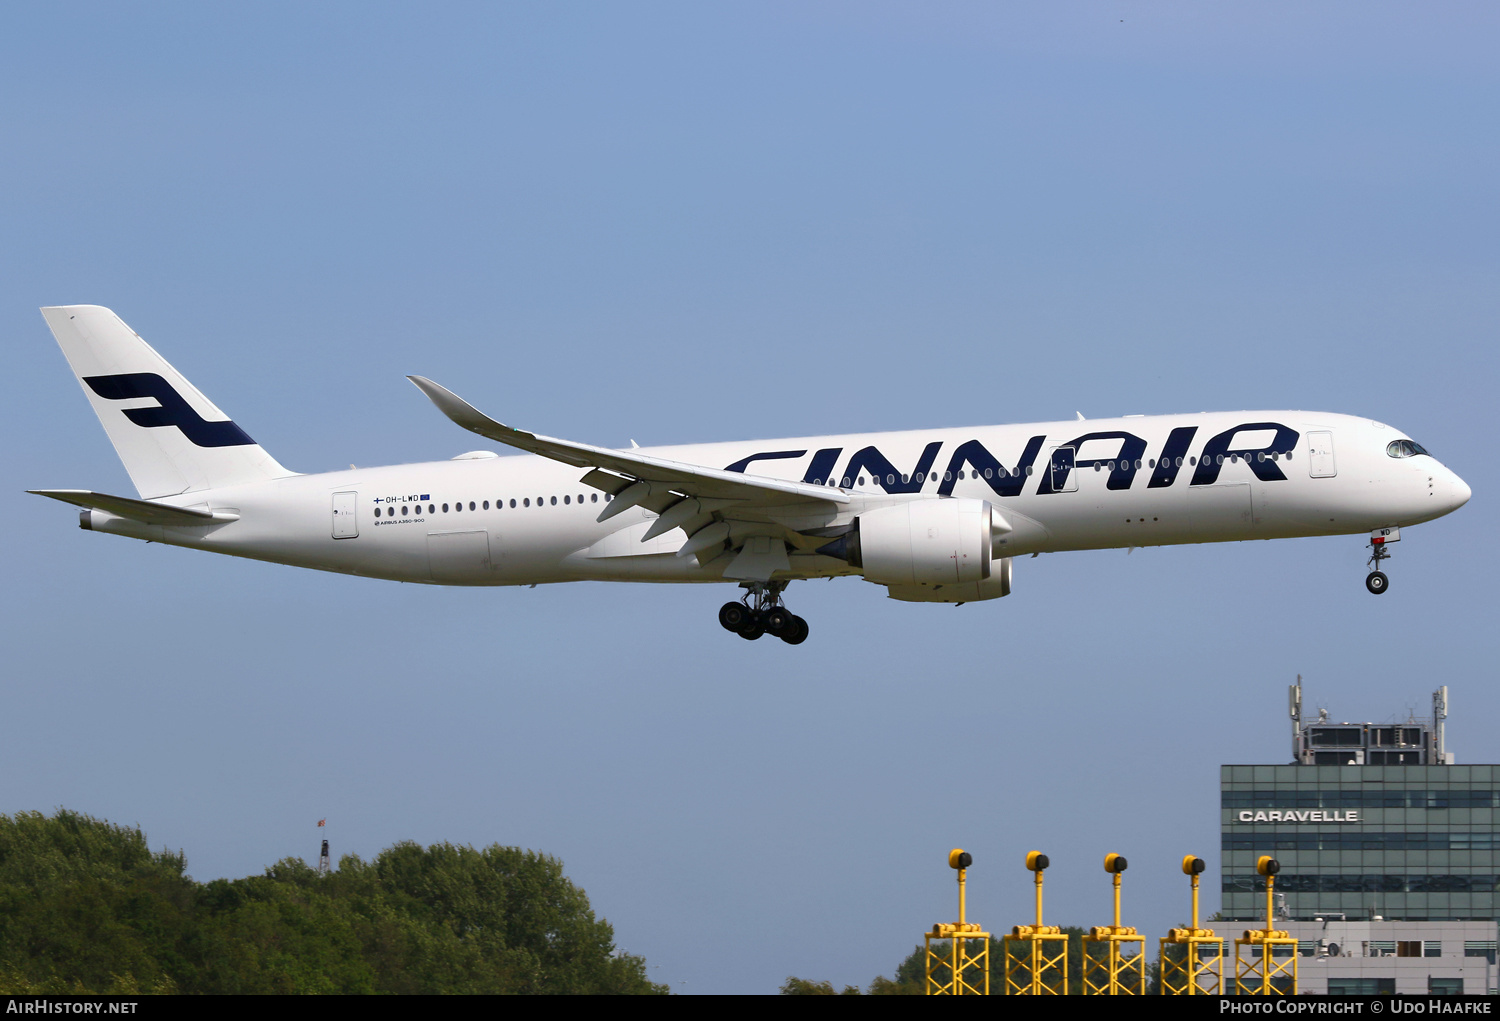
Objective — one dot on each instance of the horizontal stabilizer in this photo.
(138, 510)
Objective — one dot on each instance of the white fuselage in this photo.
(522, 520)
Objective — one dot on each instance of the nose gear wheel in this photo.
(1376, 581)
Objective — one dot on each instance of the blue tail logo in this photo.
(173, 410)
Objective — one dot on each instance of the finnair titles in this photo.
(933, 515)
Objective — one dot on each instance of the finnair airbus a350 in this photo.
(934, 515)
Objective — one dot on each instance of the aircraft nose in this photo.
(1461, 491)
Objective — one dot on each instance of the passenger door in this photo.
(1320, 463)
(1064, 478)
(345, 519)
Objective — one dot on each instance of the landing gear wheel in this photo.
(779, 621)
(1377, 582)
(761, 612)
(733, 616)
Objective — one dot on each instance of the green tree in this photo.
(85, 906)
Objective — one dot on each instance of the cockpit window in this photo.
(1405, 448)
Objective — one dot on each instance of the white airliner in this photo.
(934, 515)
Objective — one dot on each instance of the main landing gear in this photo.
(760, 612)
(1376, 581)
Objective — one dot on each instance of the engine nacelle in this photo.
(993, 587)
(921, 542)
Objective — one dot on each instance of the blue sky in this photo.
(678, 223)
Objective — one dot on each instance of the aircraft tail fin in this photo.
(171, 438)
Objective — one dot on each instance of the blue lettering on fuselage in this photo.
(1123, 464)
(1217, 450)
(972, 455)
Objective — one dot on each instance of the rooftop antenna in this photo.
(1439, 714)
(1295, 707)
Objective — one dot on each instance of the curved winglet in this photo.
(687, 479)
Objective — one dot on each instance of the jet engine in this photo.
(922, 542)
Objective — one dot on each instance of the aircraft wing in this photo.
(624, 470)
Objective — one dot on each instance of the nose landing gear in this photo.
(761, 612)
(1376, 581)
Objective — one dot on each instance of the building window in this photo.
(1361, 986)
(1445, 986)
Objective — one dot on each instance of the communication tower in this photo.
(323, 863)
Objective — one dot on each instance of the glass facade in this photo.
(1399, 842)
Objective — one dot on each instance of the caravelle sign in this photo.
(1315, 815)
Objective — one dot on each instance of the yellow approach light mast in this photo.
(1036, 956)
(1256, 971)
(1108, 966)
(1192, 959)
(958, 969)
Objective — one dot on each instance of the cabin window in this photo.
(554, 501)
(526, 502)
(403, 510)
(989, 472)
(566, 499)
(580, 497)
(593, 498)
(456, 507)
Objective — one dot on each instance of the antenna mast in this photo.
(323, 865)
(1439, 714)
(1294, 693)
